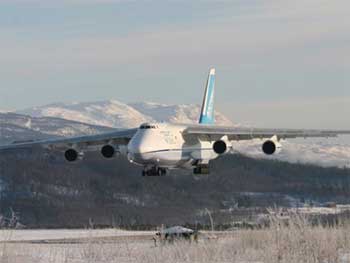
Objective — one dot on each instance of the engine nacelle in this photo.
(73, 155)
(220, 147)
(271, 146)
(109, 151)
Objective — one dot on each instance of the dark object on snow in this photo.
(176, 233)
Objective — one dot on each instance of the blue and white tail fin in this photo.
(207, 111)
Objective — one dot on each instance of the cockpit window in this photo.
(146, 126)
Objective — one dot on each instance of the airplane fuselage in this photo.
(164, 145)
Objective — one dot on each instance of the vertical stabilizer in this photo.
(207, 111)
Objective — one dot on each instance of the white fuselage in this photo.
(164, 145)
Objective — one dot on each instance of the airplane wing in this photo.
(239, 134)
(115, 138)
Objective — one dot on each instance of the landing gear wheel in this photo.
(154, 171)
(201, 169)
(162, 171)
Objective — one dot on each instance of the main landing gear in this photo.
(201, 169)
(154, 171)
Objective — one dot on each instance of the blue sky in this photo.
(281, 63)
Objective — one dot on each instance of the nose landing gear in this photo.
(154, 171)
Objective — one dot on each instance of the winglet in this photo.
(207, 111)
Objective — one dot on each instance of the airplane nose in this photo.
(140, 147)
(140, 144)
(137, 151)
(136, 154)
(135, 148)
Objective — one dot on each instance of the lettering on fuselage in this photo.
(168, 137)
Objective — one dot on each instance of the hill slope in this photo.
(116, 114)
(17, 127)
(46, 191)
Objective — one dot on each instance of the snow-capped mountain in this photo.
(176, 113)
(116, 114)
(17, 127)
(105, 113)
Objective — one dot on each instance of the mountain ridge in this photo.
(17, 127)
(116, 114)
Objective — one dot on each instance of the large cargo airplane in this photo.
(159, 147)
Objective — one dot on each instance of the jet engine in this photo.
(108, 151)
(73, 155)
(220, 147)
(271, 146)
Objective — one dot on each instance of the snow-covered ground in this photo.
(320, 210)
(59, 234)
(320, 151)
(292, 244)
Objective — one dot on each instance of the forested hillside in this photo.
(46, 191)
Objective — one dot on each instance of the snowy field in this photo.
(69, 234)
(318, 151)
(39, 246)
(299, 242)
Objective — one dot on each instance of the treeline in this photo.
(46, 191)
